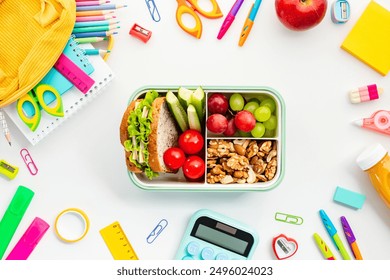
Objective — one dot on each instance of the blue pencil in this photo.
(95, 23)
(94, 34)
(99, 7)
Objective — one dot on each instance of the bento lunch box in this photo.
(265, 154)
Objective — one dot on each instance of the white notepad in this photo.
(73, 100)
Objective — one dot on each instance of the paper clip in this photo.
(156, 231)
(29, 161)
(153, 10)
(287, 218)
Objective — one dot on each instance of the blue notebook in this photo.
(57, 80)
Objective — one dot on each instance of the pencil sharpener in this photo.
(340, 11)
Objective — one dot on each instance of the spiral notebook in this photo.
(72, 98)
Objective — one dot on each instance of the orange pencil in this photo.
(93, 13)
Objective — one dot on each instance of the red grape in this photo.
(217, 123)
(217, 104)
(245, 121)
(230, 129)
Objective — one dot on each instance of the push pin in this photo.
(140, 33)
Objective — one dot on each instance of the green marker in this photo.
(13, 215)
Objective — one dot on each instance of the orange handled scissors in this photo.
(191, 8)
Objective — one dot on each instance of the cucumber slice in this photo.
(184, 96)
(198, 99)
(193, 120)
(177, 110)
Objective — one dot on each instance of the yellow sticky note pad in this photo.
(369, 39)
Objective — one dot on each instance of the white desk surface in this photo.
(81, 164)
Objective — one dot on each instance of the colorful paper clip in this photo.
(156, 231)
(140, 33)
(153, 10)
(29, 161)
(8, 170)
(287, 218)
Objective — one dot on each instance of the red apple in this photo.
(300, 15)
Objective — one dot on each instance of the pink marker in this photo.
(29, 240)
(379, 122)
(366, 93)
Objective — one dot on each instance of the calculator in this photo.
(213, 236)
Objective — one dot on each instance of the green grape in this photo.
(251, 106)
(271, 123)
(269, 102)
(236, 102)
(262, 113)
(269, 133)
(254, 99)
(258, 131)
(244, 134)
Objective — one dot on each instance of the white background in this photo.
(81, 164)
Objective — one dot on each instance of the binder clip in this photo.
(140, 33)
(340, 11)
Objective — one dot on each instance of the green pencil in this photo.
(90, 40)
(94, 28)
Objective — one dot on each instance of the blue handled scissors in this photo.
(184, 8)
(29, 106)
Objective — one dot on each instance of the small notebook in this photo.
(369, 39)
(72, 98)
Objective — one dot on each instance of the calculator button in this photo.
(221, 256)
(193, 248)
(187, 258)
(207, 253)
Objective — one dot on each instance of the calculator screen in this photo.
(222, 235)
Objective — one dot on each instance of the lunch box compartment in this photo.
(177, 181)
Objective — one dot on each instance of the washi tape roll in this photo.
(64, 231)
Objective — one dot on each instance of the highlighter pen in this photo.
(351, 238)
(246, 29)
(229, 18)
(13, 215)
(333, 234)
(325, 250)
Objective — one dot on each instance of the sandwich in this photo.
(147, 130)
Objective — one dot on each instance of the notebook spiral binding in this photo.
(78, 51)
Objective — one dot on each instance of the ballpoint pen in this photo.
(325, 250)
(249, 22)
(333, 234)
(351, 238)
(229, 18)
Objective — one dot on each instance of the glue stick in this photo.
(366, 93)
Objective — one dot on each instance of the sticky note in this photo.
(349, 198)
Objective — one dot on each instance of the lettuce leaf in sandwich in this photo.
(139, 128)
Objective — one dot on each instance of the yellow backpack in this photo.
(33, 34)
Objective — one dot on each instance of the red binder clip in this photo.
(140, 32)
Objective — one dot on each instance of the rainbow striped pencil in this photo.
(94, 28)
(94, 18)
(95, 34)
(100, 7)
(95, 23)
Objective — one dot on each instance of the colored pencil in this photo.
(95, 23)
(95, 51)
(95, 18)
(95, 28)
(90, 3)
(93, 13)
(87, 40)
(94, 34)
(100, 7)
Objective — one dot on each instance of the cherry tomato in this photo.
(191, 141)
(174, 158)
(193, 167)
